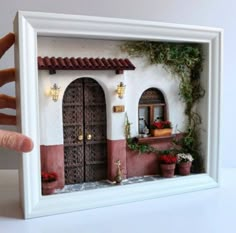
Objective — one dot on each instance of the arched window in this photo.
(152, 107)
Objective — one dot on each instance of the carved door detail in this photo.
(84, 125)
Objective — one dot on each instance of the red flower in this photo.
(49, 176)
(161, 125)
(168, 159)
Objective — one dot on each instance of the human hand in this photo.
(10, 140)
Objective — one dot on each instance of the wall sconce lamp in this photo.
(54, 92)
(120, 90)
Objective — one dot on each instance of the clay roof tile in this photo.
(40, 62)
(47, 62)
(81, 62)
(93, 62)
(99, 62)
(112, 63)
(88, 63)
(118, 64)
(68, 63)
(59, 63)
(74, 62)
(54, 62)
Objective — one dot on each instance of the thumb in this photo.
(15, 141)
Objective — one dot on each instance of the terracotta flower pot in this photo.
(48, 187)
(167, 170)
(161, 132)
(184, 168)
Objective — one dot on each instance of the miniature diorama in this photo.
(118, 112)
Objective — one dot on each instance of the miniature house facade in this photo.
(41, 118)
(82, 133)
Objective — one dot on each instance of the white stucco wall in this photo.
(137, 81)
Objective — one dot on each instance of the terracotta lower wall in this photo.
(133, 163)
(116, 150)
(141, 164)
(52, 159)
(146, 163)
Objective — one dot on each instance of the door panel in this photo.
(74, 164)
(73, 128)
(95, 126)
(84, 119)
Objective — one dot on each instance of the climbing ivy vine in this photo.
(184, 61)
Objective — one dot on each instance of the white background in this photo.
(206, 211)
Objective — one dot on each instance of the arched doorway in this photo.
(84, 125)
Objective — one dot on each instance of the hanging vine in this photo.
(134, 145)
(133, 142)
(184, 60)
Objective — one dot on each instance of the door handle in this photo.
(89, 137)
(81, 137)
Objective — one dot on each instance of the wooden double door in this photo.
(84, 125)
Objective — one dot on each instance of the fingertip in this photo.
(6, 42)
(11, 37)
(26, 145)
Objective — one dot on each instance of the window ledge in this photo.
(152, 139)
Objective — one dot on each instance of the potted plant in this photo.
(184, 161)
(167, 165)
(49, 182)
(161, 128)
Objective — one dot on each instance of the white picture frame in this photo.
(30, 25)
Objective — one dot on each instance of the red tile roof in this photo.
(52, 64)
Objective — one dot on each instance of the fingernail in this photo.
(26, 145)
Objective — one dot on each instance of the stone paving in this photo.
(105, 184)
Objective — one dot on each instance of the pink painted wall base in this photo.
(132, 163)
(52, 160)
